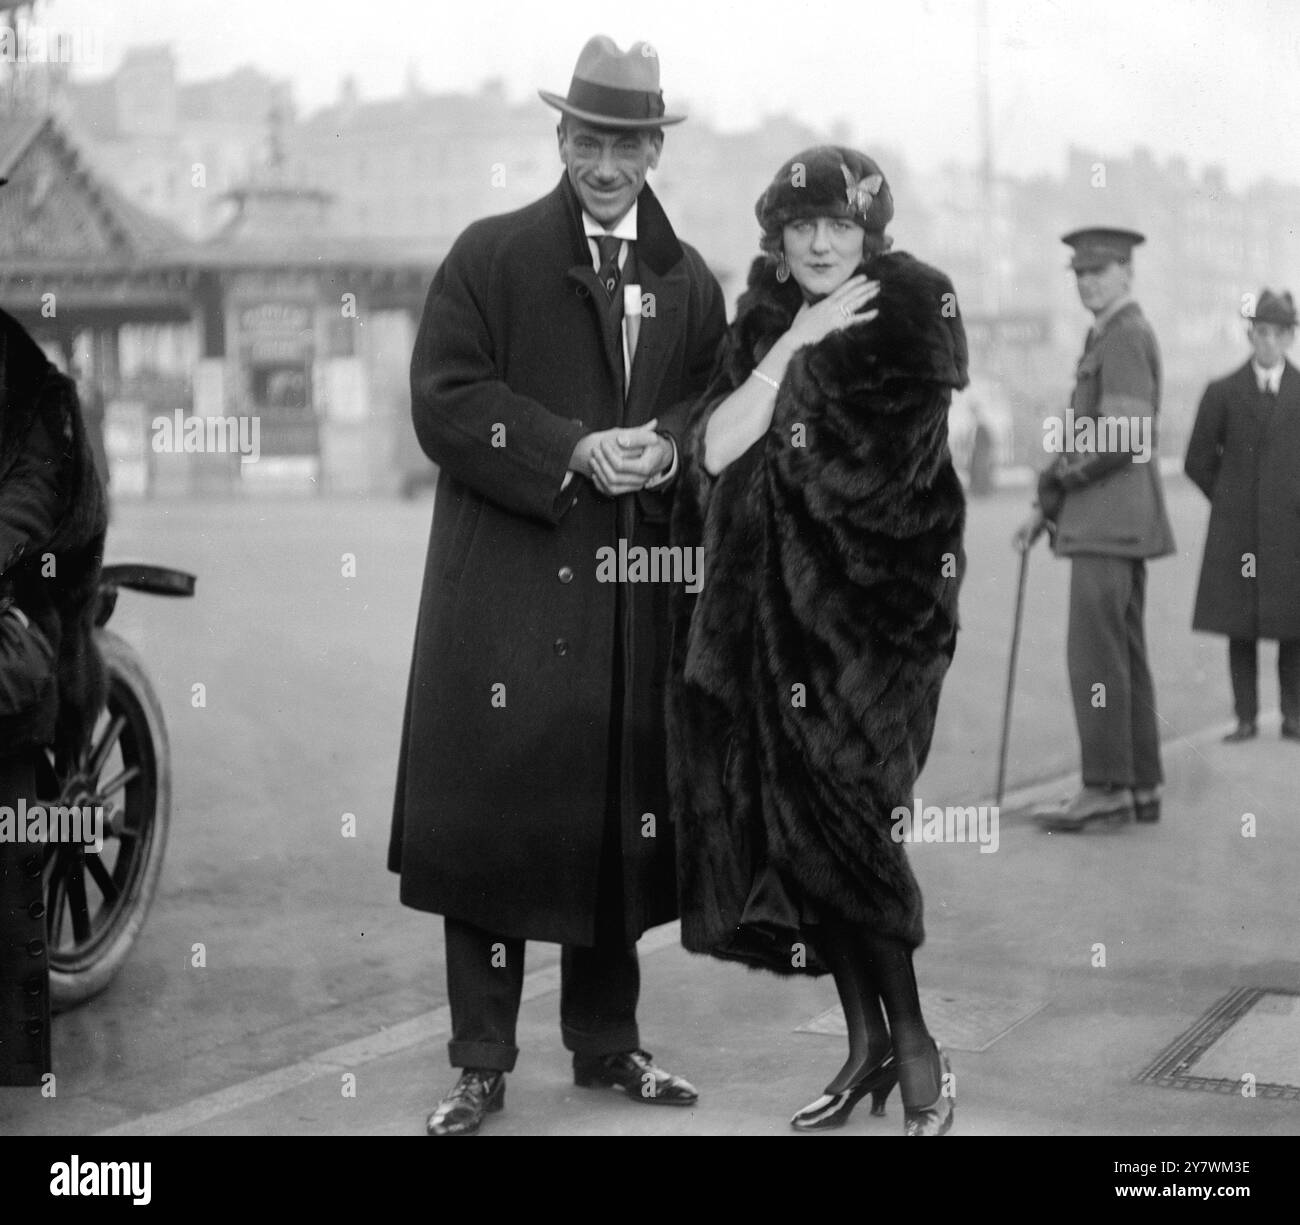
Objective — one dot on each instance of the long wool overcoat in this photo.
(1246, 460)
(805, 676)
(503, 781)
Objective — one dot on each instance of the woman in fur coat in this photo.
(806, 673)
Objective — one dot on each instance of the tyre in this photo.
(96, 904)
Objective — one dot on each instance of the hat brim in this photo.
(607, 121)
(1094, 263)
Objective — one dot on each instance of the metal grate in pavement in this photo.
(960, 1020)
(1248, 1042)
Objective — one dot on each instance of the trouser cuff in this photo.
(604, 1042)
(491, 1056)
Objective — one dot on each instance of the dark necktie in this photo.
(1267, 402)
(609, 271)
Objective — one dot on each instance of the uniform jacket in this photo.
(1109, 503)
(806, 676)
(505, 766)
(1246, 460)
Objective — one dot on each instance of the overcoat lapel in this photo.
(1288, 391)
(665, 288)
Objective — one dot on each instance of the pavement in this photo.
(1072, 960)
(1056, 968)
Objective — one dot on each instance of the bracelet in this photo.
(771, 382)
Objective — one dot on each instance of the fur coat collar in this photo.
(805, 676)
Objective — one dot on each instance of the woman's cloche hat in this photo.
(613, 88)
(825, 181)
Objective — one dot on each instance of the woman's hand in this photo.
(837, 310)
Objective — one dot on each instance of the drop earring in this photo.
(782, 269)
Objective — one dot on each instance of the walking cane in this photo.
(1011, 672)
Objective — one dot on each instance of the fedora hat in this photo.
(1274, 308)
(613, 88)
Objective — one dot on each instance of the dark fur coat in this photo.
(51, 501)
(805, 676)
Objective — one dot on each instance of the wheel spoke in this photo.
(77, 900)
(114, 785)
(103, 879)
(111, 735)
(56, 903)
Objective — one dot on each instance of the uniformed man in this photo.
(1102, 501)
(1244, 455)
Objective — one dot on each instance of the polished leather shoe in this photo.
(1290, 729)
(478, 1092)
(936, 1118)
(833, 1109)
(635, 1073)
(1146, 804)
(1093, 805)
(1243, 731)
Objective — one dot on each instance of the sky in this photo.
(1212, 82)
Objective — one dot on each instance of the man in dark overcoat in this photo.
(560, 348)
(1244, 455)
(1103, 500)
(52, 521)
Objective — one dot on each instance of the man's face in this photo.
(1102, 287)
(1270, 342)
(607, 167)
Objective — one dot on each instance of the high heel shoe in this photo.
(833, 1109)
(936, 1118)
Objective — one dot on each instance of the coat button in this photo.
(32, 867)
(583, 291)
(36, 910)
(34, 985)
(34, 1028)
(566, 574)
(35, 948)
(560, 646)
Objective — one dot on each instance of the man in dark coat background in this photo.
(1244, 455)
(1103, 499)
(560, 349)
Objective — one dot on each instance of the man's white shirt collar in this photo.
(1268, 380)
(625, 229)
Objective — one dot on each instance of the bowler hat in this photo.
(1097, 246)
(1274, 308)
(826, 181)
(613, 88)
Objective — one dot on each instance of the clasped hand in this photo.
(622, 460)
